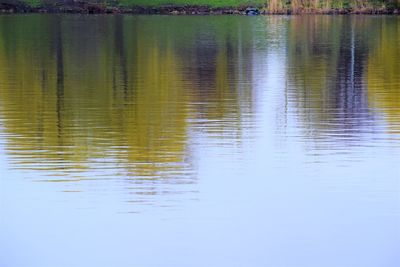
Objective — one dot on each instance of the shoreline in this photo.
(87, 8)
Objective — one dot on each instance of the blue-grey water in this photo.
(216, 141)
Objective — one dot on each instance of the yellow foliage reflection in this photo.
(81, 91)
(384, 71)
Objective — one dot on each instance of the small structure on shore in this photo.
(252, 11)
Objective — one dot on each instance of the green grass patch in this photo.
(158, 3)
(318, 4)
(211, 3)
(33, 3)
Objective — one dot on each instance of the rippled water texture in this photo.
(199, 141)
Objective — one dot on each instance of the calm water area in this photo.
(189, 141)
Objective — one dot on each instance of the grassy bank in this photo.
(203, 6)
(211, 3)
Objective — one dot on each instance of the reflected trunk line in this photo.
(119, 43)
(60, 79)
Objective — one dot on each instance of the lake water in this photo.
(216, 141)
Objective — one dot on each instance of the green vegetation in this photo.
(33, 3)
(212, 3)
(153, 3)
(269, 6)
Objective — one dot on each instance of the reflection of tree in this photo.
(327, 60)
(210, 54)
(383, 71)
(348, 92)
(221, 81)
(75, 90)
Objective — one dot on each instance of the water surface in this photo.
(199, 141)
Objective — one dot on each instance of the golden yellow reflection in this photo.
(76, 91)
(383, 72)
